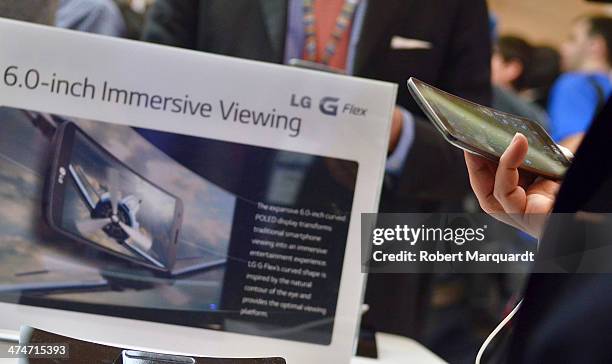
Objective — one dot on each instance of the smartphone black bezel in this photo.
(63, 145)
(447, 131)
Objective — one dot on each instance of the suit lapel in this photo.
(275, 17)
(378, 17)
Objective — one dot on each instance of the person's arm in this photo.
(402, 137)
(433, 170)
(573, 103)
(172, 23)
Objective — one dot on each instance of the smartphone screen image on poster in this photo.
(94, 198)
(488, 132)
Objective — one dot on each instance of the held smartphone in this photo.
(94, 198)
(488, 132)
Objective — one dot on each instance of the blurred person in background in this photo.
(92, 16)
(541, 74)
(510, 63)
(580, 92)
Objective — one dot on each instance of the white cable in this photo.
(9, 336)
(496, 331)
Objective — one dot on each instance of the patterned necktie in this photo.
(327, 29)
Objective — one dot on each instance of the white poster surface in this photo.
(171, 200)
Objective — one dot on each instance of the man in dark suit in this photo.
(443, 42)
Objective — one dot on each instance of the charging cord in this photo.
(496, 331)
(9, 336)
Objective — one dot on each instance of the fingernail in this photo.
(515, 138)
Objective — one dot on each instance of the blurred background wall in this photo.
(541, 21)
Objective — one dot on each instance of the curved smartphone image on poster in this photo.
(488, 132)
(97, 199)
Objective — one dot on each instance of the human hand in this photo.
(396, 129)
(572, 142)
(515, 197)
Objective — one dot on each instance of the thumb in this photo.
(516, 152)
(507, 191)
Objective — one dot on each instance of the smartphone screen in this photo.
(488, 132)
(99, 199)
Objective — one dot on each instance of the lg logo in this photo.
(329, 106)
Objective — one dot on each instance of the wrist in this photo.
(396, 129)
